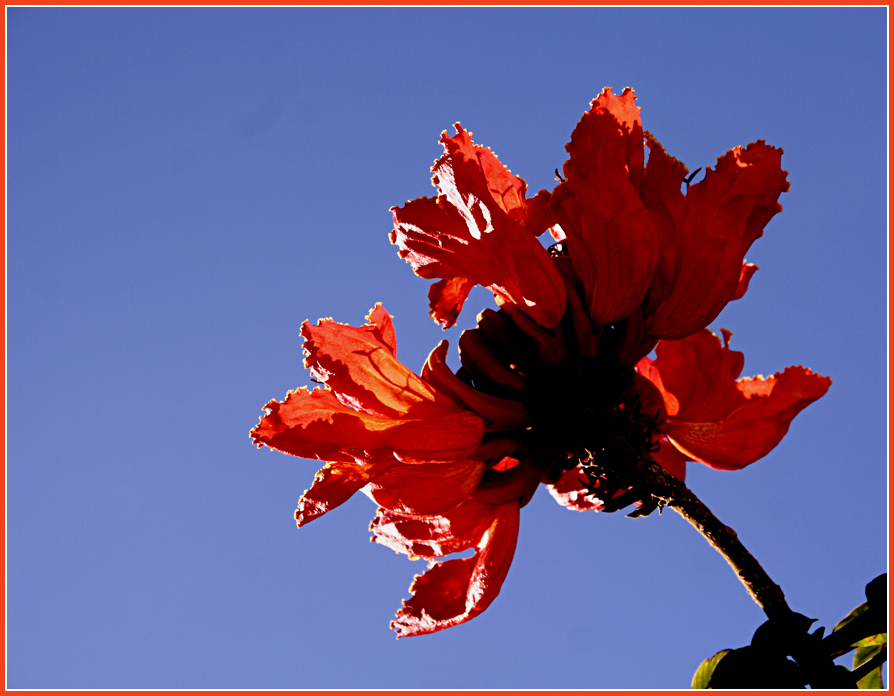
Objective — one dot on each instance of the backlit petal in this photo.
(316, 425)
(333, 485)
(762, 418)
(716, 419)
(426, 489)
(359, 364)
(475, 232)
(432, 536)
(672, 459)
(452, 592)
(745, 273)
(725, 213)
(666, 204)
(611, 238)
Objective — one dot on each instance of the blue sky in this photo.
(186, 186)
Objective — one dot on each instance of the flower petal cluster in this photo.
(558, 386)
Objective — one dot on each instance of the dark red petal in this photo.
(332, 486)
(538, 218)
(475, 231)
(570, 491)
(452, 592)
(695, 375)
(426, 489)
(516, 483)
(756, 425)
(433, 536)
(316, 425)
(672, 459)
(748, 270)
(502, 414)
(667, 206)
(725, 213)
(611, 239)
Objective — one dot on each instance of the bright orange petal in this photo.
(316, 425)
(452, 592)
(359, 364)
(332, 486)
(725, 213)
(447, 297)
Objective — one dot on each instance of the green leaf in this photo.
(702, 676)
(873, 680)
(850, 617)
(878, 639)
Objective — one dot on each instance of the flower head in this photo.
(556, 386)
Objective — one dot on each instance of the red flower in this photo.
(556, 387)
(374, 419)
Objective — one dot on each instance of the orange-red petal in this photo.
(332, 486)
(716, 419)
(452, 592)
(475, 233)
(360, 365)
(316, 425)
(725, 213)
(426, 489)
(432, 536)
(610, 234)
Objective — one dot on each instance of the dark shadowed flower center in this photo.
(583, 398)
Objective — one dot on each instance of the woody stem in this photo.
(675, 494)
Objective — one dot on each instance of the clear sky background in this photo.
(186, 186)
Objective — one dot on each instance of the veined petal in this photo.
(611, 237)
(720, 421)
(725, 213)
(360, 365)
(452, 592)
(447, 297)
(426, 489)
(316, 425)
(750, 431)
(475, 233)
